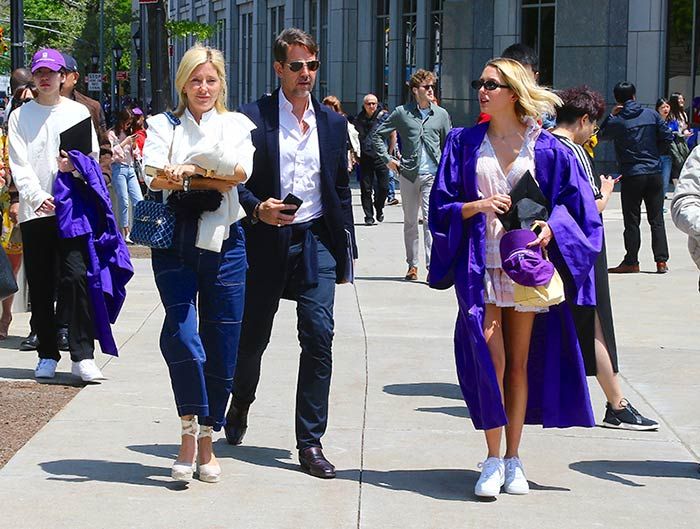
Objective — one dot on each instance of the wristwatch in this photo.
(186, 183)
(255, 217)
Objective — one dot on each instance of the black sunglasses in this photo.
(488, 85)
(296, 66)
(427, 87)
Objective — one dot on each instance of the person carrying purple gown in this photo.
(515, 364)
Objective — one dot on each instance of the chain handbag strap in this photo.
(174, 121)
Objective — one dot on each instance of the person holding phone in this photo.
(125, 151)
(515, 363)
(35, 159)
(298, 253)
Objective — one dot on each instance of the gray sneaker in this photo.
(627, 418)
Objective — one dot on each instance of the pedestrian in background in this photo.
(509, 373)
(663, 108)
(127, 140)
(374, 175)
(204, 152)
(637, 134)
(422, 126)
(354, 148)
(576, 122)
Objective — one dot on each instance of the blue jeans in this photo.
(201, 352)
(666, 164)
(127, 188)
(392, 186)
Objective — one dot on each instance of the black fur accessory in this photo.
(191, 204)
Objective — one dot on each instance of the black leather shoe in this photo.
(236, 423)
(30, 343)
(315, 463)
(62, 339)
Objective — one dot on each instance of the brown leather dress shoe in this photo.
(661, 267)
(315, 463)
(236, 423)
(412, 274)
(623, 268)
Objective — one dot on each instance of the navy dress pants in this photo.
(315, 333)
(200, 349)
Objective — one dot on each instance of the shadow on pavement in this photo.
(85, 470)
(454, 411)
(62, 378)
(425, 389)
(615, 470)
(12, 342)
(396, 279)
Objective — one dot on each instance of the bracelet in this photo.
(186, 183)
(256, 213)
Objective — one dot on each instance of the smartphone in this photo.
(292, 200)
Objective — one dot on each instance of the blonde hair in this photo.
(191, 60)
(334, 103)
(533, 100)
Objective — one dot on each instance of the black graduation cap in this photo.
(528, 205)
(78, 137)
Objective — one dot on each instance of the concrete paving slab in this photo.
(399, 431)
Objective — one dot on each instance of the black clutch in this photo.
(191, 204)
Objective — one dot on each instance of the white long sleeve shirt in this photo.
(219, 142)
(34, 137)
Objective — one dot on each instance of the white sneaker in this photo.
(516, 482)
(491, 479)
(46, 368)
(87, 370)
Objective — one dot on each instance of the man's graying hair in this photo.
(290, 37)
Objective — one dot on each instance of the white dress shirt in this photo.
(300, 160)
(219, 142)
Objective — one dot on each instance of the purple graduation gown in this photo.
(558, 393)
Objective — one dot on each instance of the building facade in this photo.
(375, 45)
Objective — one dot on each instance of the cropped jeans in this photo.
(201, 349)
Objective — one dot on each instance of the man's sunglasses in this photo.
(296, 66)
(427, 87)
(488, 85)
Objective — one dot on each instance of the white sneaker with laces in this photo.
(516, 482)
(491, 479)
(46, 368)
(87, 370)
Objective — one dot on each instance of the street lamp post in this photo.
(137, 48)
(117, 52)
(17, 33)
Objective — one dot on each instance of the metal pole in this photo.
(112, 84)
(102, 49)
(17, 30)
(142, 56)
(157, 66)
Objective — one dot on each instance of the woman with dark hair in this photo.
(125, 139)
(516, 363)
(663, 108)
(576, 122)
(677, 102)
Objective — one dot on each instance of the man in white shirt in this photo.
(295, 253)
(34, 138)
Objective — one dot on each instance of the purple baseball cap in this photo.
(48, 58)
(524, 265)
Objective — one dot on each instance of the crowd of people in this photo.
(511, 210)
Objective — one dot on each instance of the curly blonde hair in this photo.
(191, 60)
(533, 100)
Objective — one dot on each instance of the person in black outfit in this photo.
(637, 133)
(374, 173)
(576, 121)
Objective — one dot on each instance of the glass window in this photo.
(318, 28)
(679, 49)
(538, 32)
(382, 59)
(245, 55)
(275, 24)
(436, 37)
(408, 37)
(219, 40)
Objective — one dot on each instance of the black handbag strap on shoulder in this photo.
(174, 121)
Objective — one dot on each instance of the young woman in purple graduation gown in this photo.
(515, 365)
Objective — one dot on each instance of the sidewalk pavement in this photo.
(399, 431)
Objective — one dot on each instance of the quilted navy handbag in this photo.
(154, 224)
(154, 221)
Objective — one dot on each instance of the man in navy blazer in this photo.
(294, 253)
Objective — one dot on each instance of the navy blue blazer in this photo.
(267, 246)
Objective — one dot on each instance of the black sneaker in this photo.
(62, 339)
(380, 217)
(369, 221)
(628, 418)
